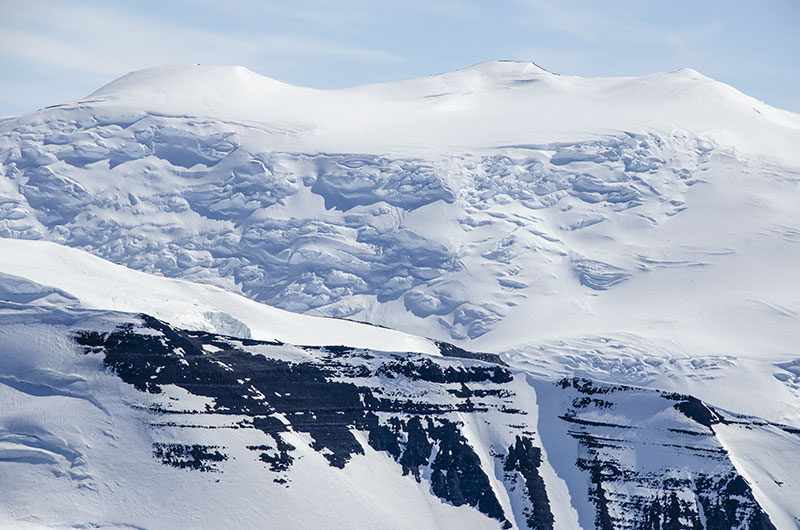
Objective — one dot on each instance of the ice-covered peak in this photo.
(486, 105)
(239, 80)
(498, 72)
(505, 65)
(177, 78)
(688, 72)
(230, 92)
(475, 79)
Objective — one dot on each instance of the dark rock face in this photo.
(316, 397)
(651, 460)
(525, 459)
(195, 456)
(451, 350)
(456, 473)
(670, 474)
(696, 410)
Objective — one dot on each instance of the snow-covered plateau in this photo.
(492, 298)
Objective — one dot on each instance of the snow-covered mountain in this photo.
(621, 244)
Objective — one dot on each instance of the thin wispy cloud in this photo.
(593, 22)
(112, 40)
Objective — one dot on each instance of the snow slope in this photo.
(38, 271)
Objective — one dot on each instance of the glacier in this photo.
(635, 234)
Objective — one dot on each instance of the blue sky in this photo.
(53, 51)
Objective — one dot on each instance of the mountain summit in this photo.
(488, 105)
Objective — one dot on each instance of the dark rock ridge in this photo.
(525, 459)
(699, 488)
(649, 460)
(317, 398)
(195, 456)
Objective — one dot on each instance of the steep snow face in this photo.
(118, 420)
(579, 225)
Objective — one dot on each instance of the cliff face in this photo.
(500, 448)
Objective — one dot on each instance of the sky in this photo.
(52, 51)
